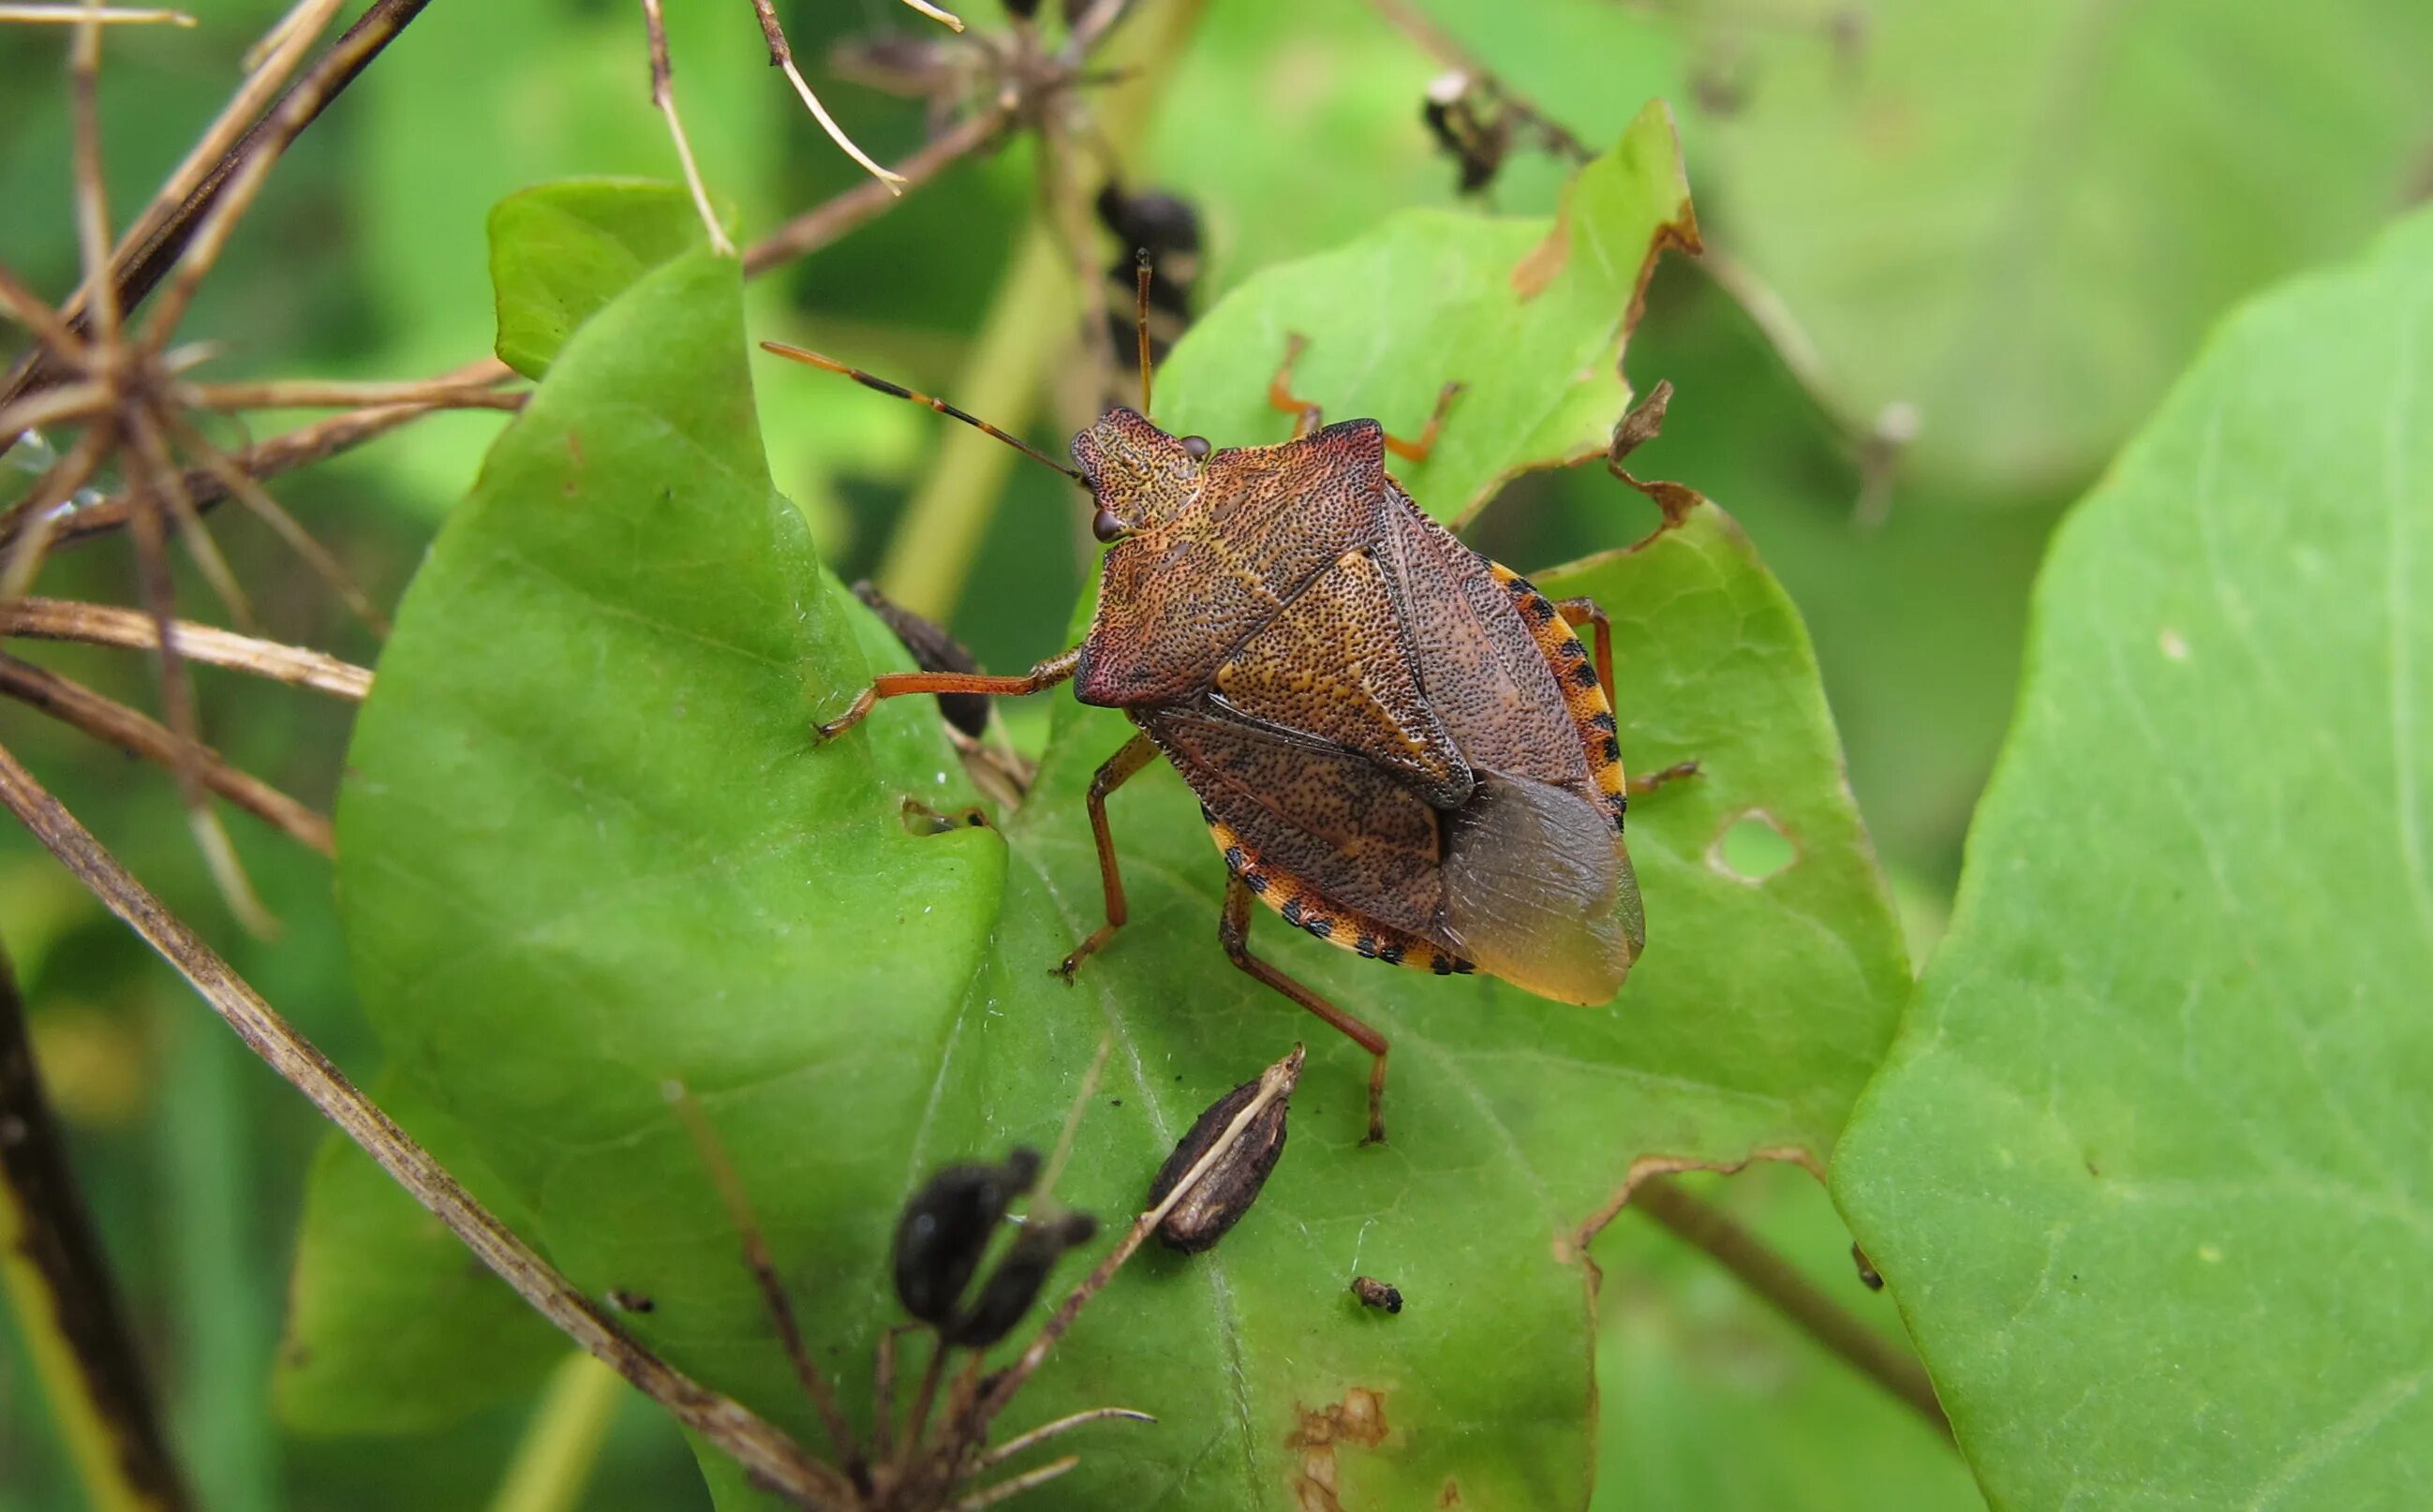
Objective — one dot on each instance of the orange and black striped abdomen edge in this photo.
(1575, 674)
(1304, 907)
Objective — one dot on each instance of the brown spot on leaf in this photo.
(1451, 1495)
(1358, 1420)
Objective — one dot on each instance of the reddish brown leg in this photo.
(1650, 781)
(1306, 415)
(1136, 754)
(1578, 612)
(1047, 673)
(1233, 932)
(1418, 450)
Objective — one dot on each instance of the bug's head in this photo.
(1139, 476)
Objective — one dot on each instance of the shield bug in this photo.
(1399, 745)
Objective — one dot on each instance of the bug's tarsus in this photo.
(1141, 276)
(1137, 753)
(1047, 673)
(1649, 782)
(1307, 417)
(1418, 450)
(812, 359)
(1233, 932)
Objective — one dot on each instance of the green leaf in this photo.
(2148, 1166)
(588, 845)
(588, 848)
(2021, 218)
(1529, 316)
(560, 252)
(393, 1327)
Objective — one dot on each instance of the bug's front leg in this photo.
(1136, 754)
(1233, 932)
(1047, 674)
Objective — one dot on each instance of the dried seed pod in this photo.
(1013, 1285)
(1219, 1198)
(946, 1227)
(1376, 1294)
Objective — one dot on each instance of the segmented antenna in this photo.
(871, 381)
(1140, 276)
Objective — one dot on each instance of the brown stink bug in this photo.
(1398, 744)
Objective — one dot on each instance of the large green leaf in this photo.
(589, 845)
(2149, 1166)
(2021, 218)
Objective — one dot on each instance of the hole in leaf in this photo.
(1752, 848)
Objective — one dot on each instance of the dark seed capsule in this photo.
(1376, 1294)
(945, 1228)
(1219, 1198)
(1013, 1285)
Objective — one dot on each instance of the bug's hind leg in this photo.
(1307, 417)
(1136, 754)
(1578, 612)
(1233, 932)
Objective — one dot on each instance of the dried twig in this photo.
(261, 151)
(83, 1351)
(283, 453)
(66, 10)
(824, 223)
(106, 625)
(136, 271)
(270, 63)
(1274, 1082)
(303, 394)
(114, 724)
(774, 1459)
(782, 56)
(663, 99)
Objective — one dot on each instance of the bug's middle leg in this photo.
(1234, 932)
(1578, 612)
(1136, 754)
(1306, 415)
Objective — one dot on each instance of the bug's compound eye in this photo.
(1196, 447)
(1107, 526)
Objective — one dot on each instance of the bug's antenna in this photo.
(869, 380)
(1140, 277)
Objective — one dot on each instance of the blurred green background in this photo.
(2007, 225)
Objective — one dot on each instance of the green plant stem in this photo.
(1774, 1279)
(58, 1283)
(554, 1460)
(929, 557)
